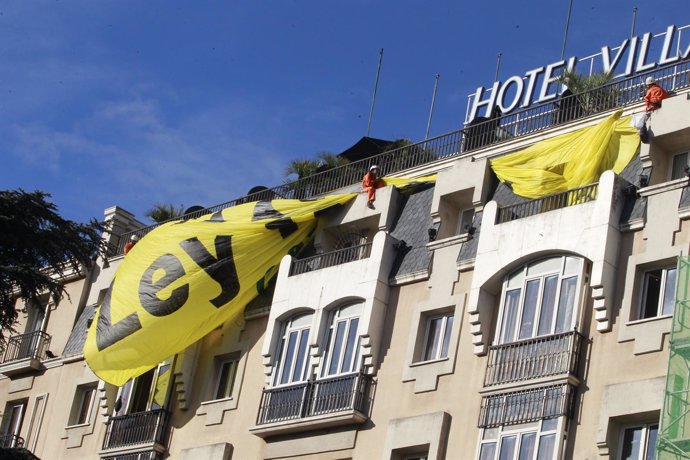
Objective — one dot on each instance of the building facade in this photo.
(453, 321)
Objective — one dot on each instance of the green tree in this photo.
(302, 168)
(330, 160)
(38, 248)
(162, 212)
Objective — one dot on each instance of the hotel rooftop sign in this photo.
(635, 55)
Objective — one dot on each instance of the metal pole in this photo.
(431, 110)
(632, 30)
(567, 25)
(373, 99)
(498, 66)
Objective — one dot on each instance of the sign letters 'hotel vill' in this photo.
(635, 55)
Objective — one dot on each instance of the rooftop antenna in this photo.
(431, 110)
(373, 99)
(498, 66)
(567, 25)
(632, 30)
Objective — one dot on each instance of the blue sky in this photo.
(194, 102)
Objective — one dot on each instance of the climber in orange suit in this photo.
(370, 182)
(655, 94)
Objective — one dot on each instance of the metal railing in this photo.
(31, 345)
(139, 428)
(533, 358)
(525, 406)
(479, 133)
(11, 441)
(145, 455)
(324, 396)
(330, 259)
(547, 203)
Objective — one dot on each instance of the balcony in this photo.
(526, 406)
(331, 259)
(480, 134)
(547, 203)
(25, 353)
(318, 404)
(11, 441)
(136, 434)
(536, 358)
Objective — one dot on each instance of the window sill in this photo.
(73, 427)
(216, 401)
(449, 241)
(664, 187)
(431, 361)
(648, 320)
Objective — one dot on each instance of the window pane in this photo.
(510, 315)
(337, 348)
(446, 336)
(488, 451)
(289, 355)
(680, 161)
(652, 291)
(669, 292)
(507, 448)
(226, 379)
(529, 310)
(547, 303)
(348, 363)
(631, 444)
(564, 318)
(433, 338)
(527, 446)
(301, 359)
(546, 447)
(652, 431)
(87, 398)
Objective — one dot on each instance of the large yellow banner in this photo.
(184, 279)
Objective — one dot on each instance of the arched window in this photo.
(293, 354)
(342, 350)
(540, 299)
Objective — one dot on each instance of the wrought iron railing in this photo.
(145, 455)
(547, 203)
(31, 345)
(325, 396)
(480, 133)
(525, 406)
(139, 428)
(331, 259)
(11, 441)
(533, 358)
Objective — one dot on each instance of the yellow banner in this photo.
(185, 278)
(571, 160)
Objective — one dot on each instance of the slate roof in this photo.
(75, 343)
(468, 251)
(411, 225)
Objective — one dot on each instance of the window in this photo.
(540, 299)
(149, 391)
(225, 382)
(638, 442)
(343, 341)
(679, 169)
(533, 441)
(658, 293)
(83, 402)
(465, 221)
(437, 337)
(293, 357)
(12, 420)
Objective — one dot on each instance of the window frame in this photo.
(644, 289)
(133, 387)
(672, 166)
(287, 328)
(643, 454)
(9, 426)
(460, 230)
(519, 432)
(443, 339)
(221, 361)
(84, 397)
(524, 278)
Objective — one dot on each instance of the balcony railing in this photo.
(145, 455)
(31, 345)
(330, 259)
(478, 134)
(547, 203)
(140, 428)
(325, 396)
(533, 358)
(11, 441)
(526, 406)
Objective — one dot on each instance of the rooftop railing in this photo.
(480, 133)
(140, 428)
(330, 259)
(547, 203)
(31, 345)
(533, 358)
(317, 397)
